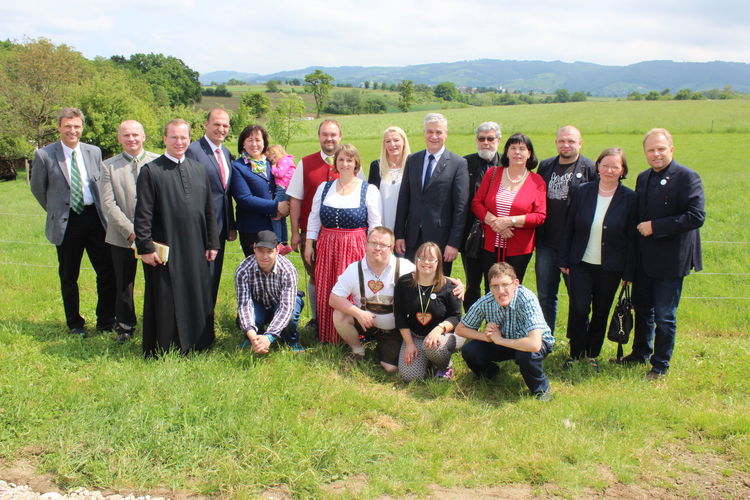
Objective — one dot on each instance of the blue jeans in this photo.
(655, 301)
(279, 226)
(481, 357)
(263, 316)
(548, 282)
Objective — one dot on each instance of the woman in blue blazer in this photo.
(252, 188)
(598, 251)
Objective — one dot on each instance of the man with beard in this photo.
(562, 173)
(488, 138)
(175, 209)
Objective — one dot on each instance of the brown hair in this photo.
(385, 231)
(433, 249)
(614, 152)
(501, 269)
(70, 113)
(348, 150)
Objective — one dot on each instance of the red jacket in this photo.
(531, 201)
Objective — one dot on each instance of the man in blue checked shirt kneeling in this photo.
(515, 329)
(268, 302)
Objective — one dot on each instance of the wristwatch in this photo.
(512, 221)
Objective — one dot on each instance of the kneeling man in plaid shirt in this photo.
(267, 296)
(515, 329)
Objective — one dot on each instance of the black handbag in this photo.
(475, 241)
(622, 320)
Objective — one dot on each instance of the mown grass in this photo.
(230, 424)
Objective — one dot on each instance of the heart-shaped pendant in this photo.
(424, 318)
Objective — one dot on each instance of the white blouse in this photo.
(335, 200)
(593, 253)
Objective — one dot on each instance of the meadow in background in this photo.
(228, 423)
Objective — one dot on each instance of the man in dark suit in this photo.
(214, 156)
(486, 157)
(670, 207)
(433, 198)
(64, 180)
(561, 173)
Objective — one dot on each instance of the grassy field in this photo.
(230, 424)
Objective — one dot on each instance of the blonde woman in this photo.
(387, 171)
(427, 311)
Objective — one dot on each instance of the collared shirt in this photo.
(427, 162)
(137, 160)
(174, 159)
(225, 163)
(516, 321)
(277, 288)
(88, 198)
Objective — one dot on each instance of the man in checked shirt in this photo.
(267, 297)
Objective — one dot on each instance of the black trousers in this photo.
(216, 266)
(85, 232)
(125, 267)
(247, 240)
(518, 262)
(474, 275)
(591, 289)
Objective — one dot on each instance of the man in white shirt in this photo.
(64, 180)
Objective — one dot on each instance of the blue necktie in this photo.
(428, 172)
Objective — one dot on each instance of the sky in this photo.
(277, 35)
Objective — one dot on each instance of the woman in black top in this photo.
(426, 313)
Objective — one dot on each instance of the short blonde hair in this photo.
(659, 131)
(348, 150)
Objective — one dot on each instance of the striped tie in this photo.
(76, 189)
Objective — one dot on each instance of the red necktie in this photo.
(222, 173)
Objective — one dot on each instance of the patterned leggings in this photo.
(440, 358)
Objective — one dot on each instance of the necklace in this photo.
(517, 181)
(377, 284)
(607, 192)
(344, 187)
(424, 317)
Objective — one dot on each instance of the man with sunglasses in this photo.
(486, 157)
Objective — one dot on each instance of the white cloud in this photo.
(285, 34)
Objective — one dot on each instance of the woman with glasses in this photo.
(426, 312)
(342, 211)
(598, 250)
(511, 202)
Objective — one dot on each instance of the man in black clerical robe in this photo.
(174, 208)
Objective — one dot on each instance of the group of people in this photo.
(378, 252)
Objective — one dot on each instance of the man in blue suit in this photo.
(670, 208)
(210, 152)
(64, 180)
(434, 196)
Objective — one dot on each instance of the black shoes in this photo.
(78, 330)
(628, 360)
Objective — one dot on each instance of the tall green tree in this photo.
(253, 105)
(172, 81)
(319, 85)
(446, 91)
(405, 95)
(285, 119)
(37, 79)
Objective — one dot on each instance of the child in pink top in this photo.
(282, 169)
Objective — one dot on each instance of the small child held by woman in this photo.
(282, 169)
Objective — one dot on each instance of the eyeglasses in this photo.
(486, 139)
(501, 286)
(379, 246)
(427, 260)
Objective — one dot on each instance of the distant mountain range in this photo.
(537, 76)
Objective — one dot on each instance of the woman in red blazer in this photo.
(512, 202)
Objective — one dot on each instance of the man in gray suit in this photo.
(64, 180)
(214, 156)
(433, 198)
(117, 187)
